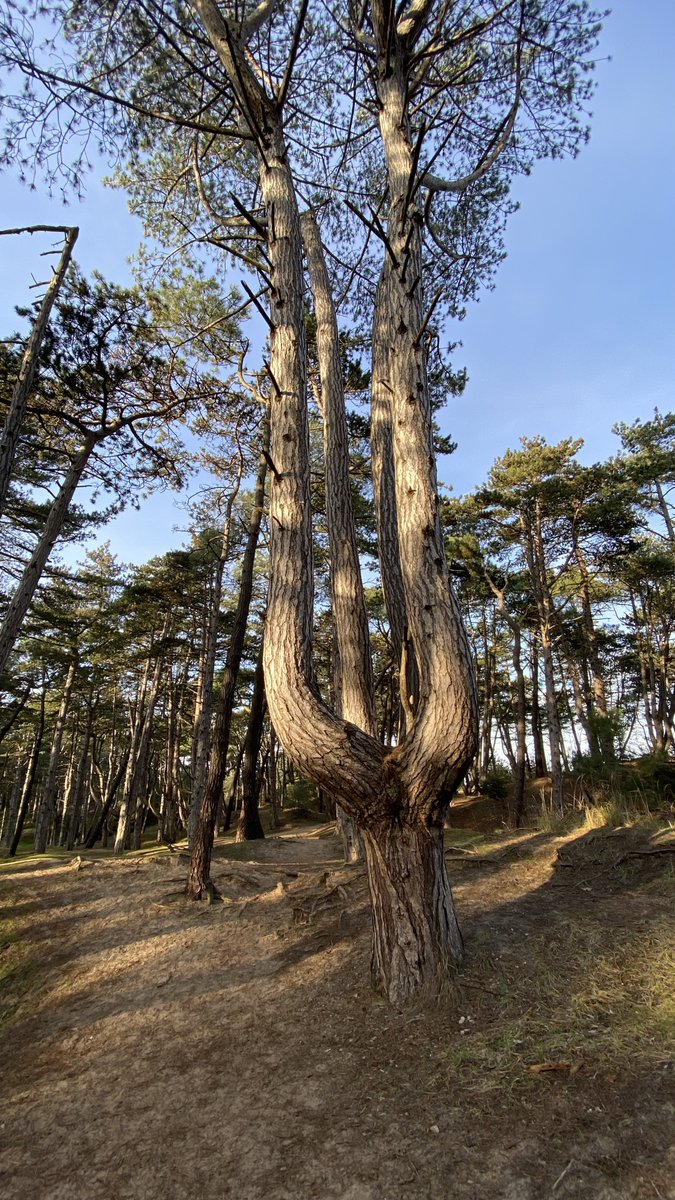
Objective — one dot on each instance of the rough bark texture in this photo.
(352, 668)
(418, 933)
(397, 796)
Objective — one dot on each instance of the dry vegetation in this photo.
(156, 1048)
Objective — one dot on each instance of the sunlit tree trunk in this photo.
(32, 574)
(352, 666)
(396, 797)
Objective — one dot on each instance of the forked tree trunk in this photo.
(396, 796)
(115, 779)
(352, 664)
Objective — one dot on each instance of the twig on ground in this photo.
(562, 1175)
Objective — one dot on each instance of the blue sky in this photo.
(580, 330)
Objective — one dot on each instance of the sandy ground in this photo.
(153, 1048)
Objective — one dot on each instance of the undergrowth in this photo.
(572, 1004)
(15, 968)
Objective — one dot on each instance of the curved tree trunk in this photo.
(352, 669)
(396, 797)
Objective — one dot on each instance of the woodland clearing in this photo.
(157, 1047)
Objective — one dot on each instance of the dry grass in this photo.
(590, 985)
(572, 1001)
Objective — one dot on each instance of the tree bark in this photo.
(14, 802)
(22, 387)
(25, 589)
(204, 700)
(202, 849)
(138, 761)
(352, 665)
(397, 797)
(413, 912)
(114, 782)
(29, 781)
(250, 827)
(47, 808)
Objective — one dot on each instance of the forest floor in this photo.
(155, 1048)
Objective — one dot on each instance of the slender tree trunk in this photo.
(204, 701)
(202, 849)
(25, 589)
(540, 767)
(352, 665)
(518, 802)
(521, 730)
(229, 807)
(13, 803)
(138, 762)
(72, 822)
(272, 780)
(547, 624)
(536, 561)
(47, 809)
(29, 781)
(250, 825)
(114, 782)
(22, 387)
(602, 735)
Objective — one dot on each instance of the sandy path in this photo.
(169, 1050)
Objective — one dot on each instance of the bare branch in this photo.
(260, 15)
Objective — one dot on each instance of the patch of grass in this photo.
(568, 996)
(239, 851)
(15, 969)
